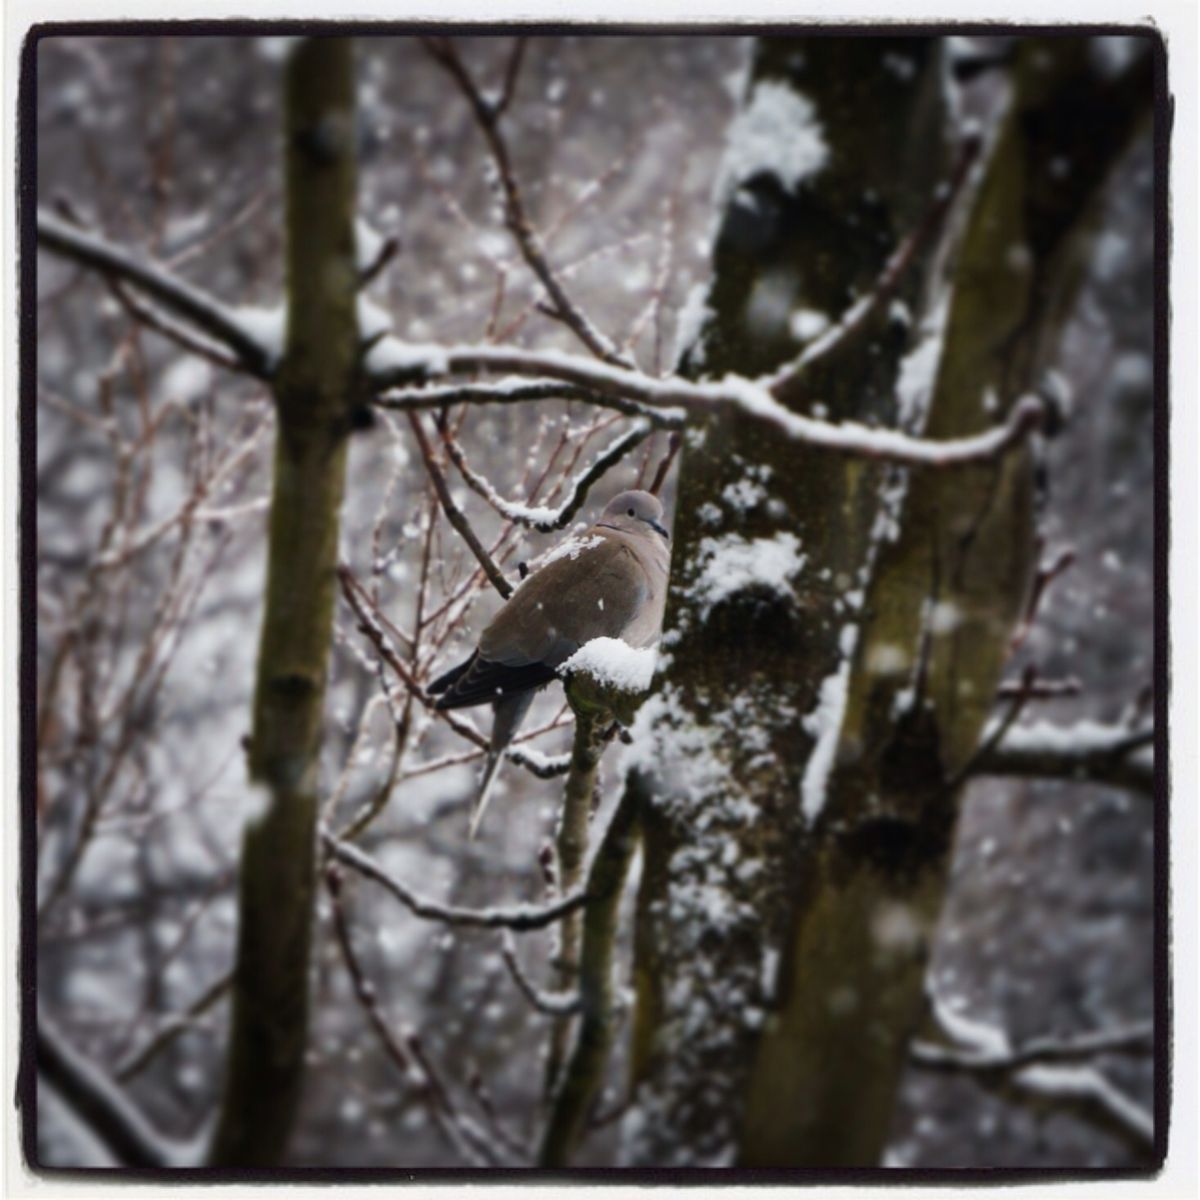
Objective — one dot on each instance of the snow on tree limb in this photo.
(751, 397)
(519, 917)
(1087, 751)
(103, 1106)
(1038, 1067)
(393, 363)
(542, 517)
(181, 298)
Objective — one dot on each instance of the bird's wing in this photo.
(597, 589)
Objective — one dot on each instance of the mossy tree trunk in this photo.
(314, 394)
(809, 728)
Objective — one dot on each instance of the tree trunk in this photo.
(314, 393)
(835, 630)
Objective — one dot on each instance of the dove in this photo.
(608, 581)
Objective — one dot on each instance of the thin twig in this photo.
(520, 918)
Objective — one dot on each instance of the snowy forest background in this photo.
(153, 472)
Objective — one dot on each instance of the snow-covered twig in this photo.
(520, 917)
(527, 238)
(1037, 1066)
(553, 1004)
(1087, 751)
(543, 518)
(843, 333)
(178, 296)
(997, 1054)
(103, 1106)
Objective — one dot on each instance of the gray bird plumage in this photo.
(609, 581)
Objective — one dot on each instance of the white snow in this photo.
(729, 564)
(689, 323)
(264, 326)
(807, 323)
(777, 132)
(824, 723)
(614, 663)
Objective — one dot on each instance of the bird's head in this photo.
(633, 511)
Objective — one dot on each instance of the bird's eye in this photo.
(631, 512)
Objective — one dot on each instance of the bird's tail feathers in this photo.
(491, 769)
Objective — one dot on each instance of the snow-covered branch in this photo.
(846, 331)
(705, 398)
(516, 390)
(103, 1106)
(1040, 1067)
(553, 1004)
(1087, 751)
(392, 363)
(256, 353)
(543, 518)
(519, 917)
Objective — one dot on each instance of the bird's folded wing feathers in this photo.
(596, 593)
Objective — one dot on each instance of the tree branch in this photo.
(175, 294)
(527, 238)
(750, 397)
(543, 518)
(850, 326)
(455, 515)
(589, 1056)
(520, 918)
(1086, 752)
(103, 1106)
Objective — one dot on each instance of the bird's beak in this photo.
(659, 529)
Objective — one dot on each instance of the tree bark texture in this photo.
(815, 710)
(314, 392)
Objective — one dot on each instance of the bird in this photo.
(608, 581)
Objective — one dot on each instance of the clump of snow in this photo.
(807, 323)
(778, 133)
(731, 563)
(744, 495)
(390, 356)
(613, 663)
(266, 327)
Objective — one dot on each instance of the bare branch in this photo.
(137, 1060)
(455, 515)
(527, 238)
(520, 917)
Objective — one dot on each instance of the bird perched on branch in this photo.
(609, 581)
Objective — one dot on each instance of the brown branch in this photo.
(455, 515)
(527, 239)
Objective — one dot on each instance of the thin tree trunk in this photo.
(314, 393)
